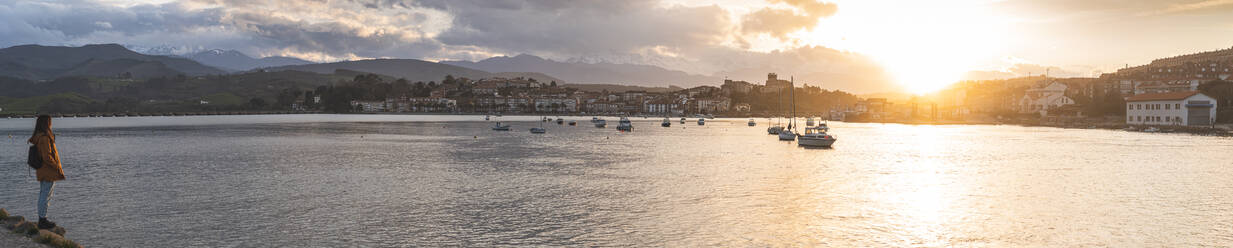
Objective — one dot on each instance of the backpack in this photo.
(34, 159)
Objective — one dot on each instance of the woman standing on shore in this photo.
(45, 140)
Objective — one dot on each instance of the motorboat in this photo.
(560, 121)
(701, 121)
(787, 134)
(625, 125)
(1151, 130)
(600, 123)
(486, 117)
(682, 120)
(752, 122)
(815, 137)
(774, 130)
(594, 119)
(500, 127)
(573, 123)
(666, 123)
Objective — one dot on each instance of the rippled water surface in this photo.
(370, 180)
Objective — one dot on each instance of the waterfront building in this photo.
(369, 106)
(737, 86)
(1187, 108)
(556, 105)
(1042, 99)
(605, 107)
(663, 106)
(774, 84)
(713, 105)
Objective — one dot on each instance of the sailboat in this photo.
(539, 129)
(789, 133)
(777, 127)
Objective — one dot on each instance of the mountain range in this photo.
(590, 73)
(37, 62)
(232, 60)
(410, 69)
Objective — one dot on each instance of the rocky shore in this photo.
(22, 233)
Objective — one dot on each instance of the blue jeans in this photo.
(45, 197)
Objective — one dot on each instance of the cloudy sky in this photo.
(918, 45)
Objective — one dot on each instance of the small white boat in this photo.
(1151, 130)
(600, 123)
(500, 127)
(815, 137)
(666, 123)
(752, 122)
(625, 125)
(701, 121)
(774, 130)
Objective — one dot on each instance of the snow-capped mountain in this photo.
(233, 60)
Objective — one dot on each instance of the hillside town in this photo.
(528, 96)
(1185, 90)
(1178, 91)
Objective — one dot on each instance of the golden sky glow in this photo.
(860, 46)
(926, 45)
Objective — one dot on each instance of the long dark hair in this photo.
(43, 125)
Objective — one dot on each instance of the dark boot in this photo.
(46, 224)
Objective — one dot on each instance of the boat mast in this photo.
(792, 88)
(779, 107)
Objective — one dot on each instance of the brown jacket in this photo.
(51, 171)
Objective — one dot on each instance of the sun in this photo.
(924, 45)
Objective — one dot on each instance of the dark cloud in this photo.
(68, 20)
(564, 28)
(332, 38)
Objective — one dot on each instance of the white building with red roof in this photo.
(1185, 108)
